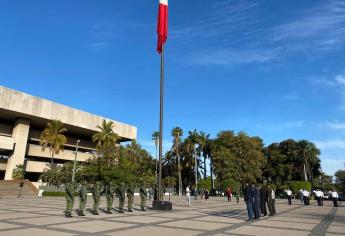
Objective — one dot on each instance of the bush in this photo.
(234, 185)
(295, 186)
(205, 183)
(53, 194)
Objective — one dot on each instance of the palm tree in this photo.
(308, 153)
(53, 138)
(105, 136)
(203, 146)
(155, 138)
(193, 138)
(176, 133)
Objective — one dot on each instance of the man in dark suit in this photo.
(249, 199)
(256, 206)
(263, 200)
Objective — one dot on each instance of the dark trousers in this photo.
(272, 207)
(335, 202)
(250, 210)
(263, 208)
(256, 209)
(229, 198)
(305, 200)
(321, 199)
(318, 199)
(289, 200)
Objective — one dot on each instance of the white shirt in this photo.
(334, 194)
(305, 193)
(187, 191)
(318, 193)
(273, 194)
(288, 192)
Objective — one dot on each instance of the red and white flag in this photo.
(162, 25)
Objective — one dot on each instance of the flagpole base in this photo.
(161, 205)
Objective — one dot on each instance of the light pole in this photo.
(75, 160)
(156, 143)
(196, 174)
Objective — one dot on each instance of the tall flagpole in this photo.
(161, 124)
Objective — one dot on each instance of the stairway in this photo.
(11, 188)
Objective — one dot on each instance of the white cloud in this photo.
(336, 125)
(330, 144)
(229, 57)
(340, 79)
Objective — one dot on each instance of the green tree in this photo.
(204, 148)
(176, 133)
(155, 138)
(18, 172)
(53, 137)
(106, 135)
(340, 180)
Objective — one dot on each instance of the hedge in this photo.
(53, 194)
(295, 186)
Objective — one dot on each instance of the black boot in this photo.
(109, 211)
(81, 213)
(68, 214)
(130, 210)
(121, 211)
(95, 212)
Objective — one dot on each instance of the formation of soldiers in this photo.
(110, 189)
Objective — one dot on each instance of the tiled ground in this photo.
(44, 216)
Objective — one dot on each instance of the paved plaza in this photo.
(44, 216)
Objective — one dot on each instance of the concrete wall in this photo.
(15, 101)
(6, 143)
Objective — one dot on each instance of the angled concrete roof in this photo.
(17, 104)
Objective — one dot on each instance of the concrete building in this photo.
(22, 119)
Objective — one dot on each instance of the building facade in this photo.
(22, 119)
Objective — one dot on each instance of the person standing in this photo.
(305, 196)
(263, 200)
(257, 202)
(289, 195)
(300, 195)
(318, 196)
(206, 195)
(120, 192)
(96, 194)
(109, 193)
(82, 198)
(188, 195)
(228, 194)
(130, 197)
(335, 197)
(322, 196)
(69, 188)
(271, 201)
(143, 195)
(249, 199)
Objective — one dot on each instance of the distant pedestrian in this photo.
(206, 195)
(188, 195)
(289, 195)
(249, 199)
(322, 197)
(335, 197)
(305, 197)
(300, 195)
(228, 194)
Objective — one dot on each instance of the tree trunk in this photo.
(211, 173)
(204, 166)
(52, 160)
(179, 172)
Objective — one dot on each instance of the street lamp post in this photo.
(196, 174)
(75, 160)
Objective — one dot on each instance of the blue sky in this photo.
(272, 68)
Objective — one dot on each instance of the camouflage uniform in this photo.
(96, 194)
(120, 192)
(69, 188)
(130, 196)
(82, 198)
(143, 195)
(110, 196)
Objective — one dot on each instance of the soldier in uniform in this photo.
(69, 188)
(120, 192)
(109, 191)
(143, 195)
(130, 196)
(96, 194)
(82, 198)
